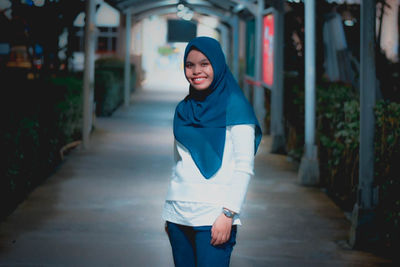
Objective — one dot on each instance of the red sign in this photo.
(268, 50)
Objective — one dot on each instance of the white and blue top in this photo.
(217, 135)
(194, 201)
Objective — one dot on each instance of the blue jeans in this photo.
(191, 246)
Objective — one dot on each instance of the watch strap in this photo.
(228, 213)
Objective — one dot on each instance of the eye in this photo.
(204, 64)
(188, 64)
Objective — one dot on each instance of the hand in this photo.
(221, 230)
(166, 227)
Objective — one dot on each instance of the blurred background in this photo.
(61, 68)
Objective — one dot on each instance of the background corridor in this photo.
(102, 206)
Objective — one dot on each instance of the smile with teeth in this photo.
(198, 80)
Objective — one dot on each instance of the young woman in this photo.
(216, 137)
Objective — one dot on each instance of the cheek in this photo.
(211, 73)
(186, 72)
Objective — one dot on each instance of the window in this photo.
(107, 39)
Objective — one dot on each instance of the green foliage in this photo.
(387, 170)
(108, 93)
(166, 50)
(294, 115)
(338, 135)
(70, 109)
(109, 85)
(38, 117)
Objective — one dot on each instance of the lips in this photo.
(198, 80)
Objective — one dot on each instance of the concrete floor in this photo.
(102, 207)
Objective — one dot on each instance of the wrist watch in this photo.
(228, 213)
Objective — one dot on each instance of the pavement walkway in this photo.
(102, 206)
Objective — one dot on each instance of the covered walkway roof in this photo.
(227, 6)
(222, 9)
(207, 7)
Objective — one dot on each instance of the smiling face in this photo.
(198, 70)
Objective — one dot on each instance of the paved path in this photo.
(102, 207)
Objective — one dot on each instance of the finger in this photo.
(228, 236)
(213, 237)
(213, 242)
(220, 239)
(217, 239)
(223, 239)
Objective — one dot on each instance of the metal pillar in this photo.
(258, 93)
(277, 126)
(235, 50)
(225, 41)
(88, 72)
(127, 67)
(309, 169)
(363, 212)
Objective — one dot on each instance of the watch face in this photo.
(228, 213)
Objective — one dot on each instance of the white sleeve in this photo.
(243, 154)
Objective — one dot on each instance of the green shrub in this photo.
(338, 133)
(338, 141)
(294, 116)
(70, 108)
(387, 171)
(38, 117)
(109, 85)
(108, 93)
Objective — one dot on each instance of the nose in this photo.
(196, 69)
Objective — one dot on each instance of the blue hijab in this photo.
(201, 118)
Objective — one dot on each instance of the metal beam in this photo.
(168, 10)
(367, 103)
(235, 46)
(127, 67)
(258, 93)
(277, 123)
(88, 72)
(251, 7)
(152, 12)
(153, 5)
(227, 5)
(143, 5)
(122, 5)
(225, 41)
(362, 229)
(309, 168)
(199, 2)
(221, 14)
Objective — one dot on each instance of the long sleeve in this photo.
(243, 154)
(193, 200)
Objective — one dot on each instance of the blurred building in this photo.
(107, 22)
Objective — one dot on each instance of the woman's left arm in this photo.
(243, 154)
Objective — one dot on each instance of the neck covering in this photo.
(200, 119)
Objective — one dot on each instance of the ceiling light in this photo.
(180, 7)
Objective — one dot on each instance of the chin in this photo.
(201, 88)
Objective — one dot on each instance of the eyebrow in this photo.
(201, 61)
